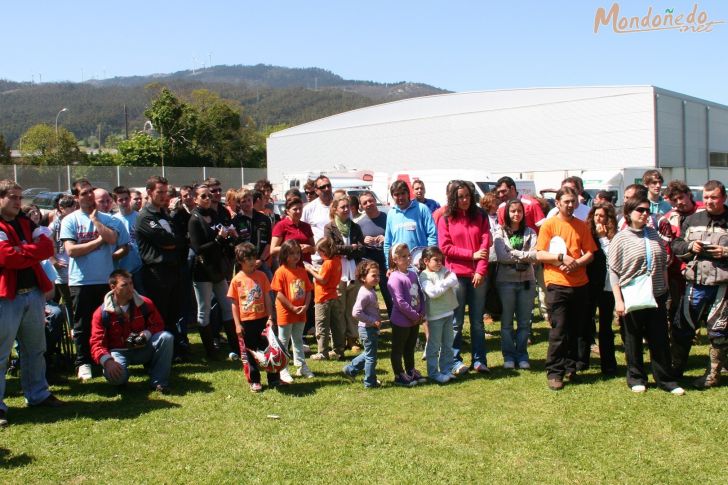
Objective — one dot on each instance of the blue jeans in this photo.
(157, 353)
(203, 294)
(367, 360)
(517, 299)
(293, 331)
(439, 355)
(23, 318)
(475, 299)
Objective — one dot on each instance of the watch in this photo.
(561, 258)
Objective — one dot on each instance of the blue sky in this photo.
(455, 45)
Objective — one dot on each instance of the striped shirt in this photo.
(627, 258)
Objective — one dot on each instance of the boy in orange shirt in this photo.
(329, 319)
(293, 298)
(249, 293)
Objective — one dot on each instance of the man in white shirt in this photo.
(317, 212)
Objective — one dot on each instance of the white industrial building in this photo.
(523, 132)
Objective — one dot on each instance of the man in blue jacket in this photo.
(408, 222)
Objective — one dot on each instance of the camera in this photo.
(136, 340)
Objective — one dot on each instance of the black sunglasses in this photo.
(642, 210)
(205, 196)
(323, 187)
(216, 191)
(310, 192)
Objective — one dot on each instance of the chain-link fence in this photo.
(60, 178)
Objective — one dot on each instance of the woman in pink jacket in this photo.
(464, 237)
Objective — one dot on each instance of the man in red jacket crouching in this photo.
(127, 329)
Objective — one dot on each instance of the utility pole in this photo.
(126, 123)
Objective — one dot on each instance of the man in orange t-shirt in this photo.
(565, 246)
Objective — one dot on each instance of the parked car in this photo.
(30, 193)
(45, 200)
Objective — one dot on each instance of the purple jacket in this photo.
(366, 307)
(407, 298)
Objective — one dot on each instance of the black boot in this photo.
(206, 337)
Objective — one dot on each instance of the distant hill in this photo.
(269, 94)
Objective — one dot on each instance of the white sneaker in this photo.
(460, 369)
(304, 371)
(84, 372)
(678, 391)
(441, 378)
(232, 357)
(640, 388)
(509, 365)
(286, 376)
(524, 365)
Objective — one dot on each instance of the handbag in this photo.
(637, 294)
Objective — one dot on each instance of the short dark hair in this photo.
(263, 185)
(677, 187)
(397, 186)
(715, 184)
(118, 273)
(505, 180)
(566, 191)
(188, 188)
(257, 195)
(293, 201)
(77, 184)
(604, 194)
(154, 180)
(320, 177)
(294, 192)
(418, 181)
(211, 181)
(65, 201)
(120, 190)
(245, 251)
(578, 184)
(7, 185)
(288, 246)
(639, 189)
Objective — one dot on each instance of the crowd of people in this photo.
(137, 271)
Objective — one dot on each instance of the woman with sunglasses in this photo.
(635, 252)
(208, 238)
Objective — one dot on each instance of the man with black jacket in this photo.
(159, 249)
(703, 246)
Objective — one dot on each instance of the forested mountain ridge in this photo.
(270, 95)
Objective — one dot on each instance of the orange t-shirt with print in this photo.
(577, 240)
(331, 272)
(249, 292)
(294, 285)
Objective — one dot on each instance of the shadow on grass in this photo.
(14, 461)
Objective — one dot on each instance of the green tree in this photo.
(42, 146)
(141, 150)
(104, 159)
(4, 151)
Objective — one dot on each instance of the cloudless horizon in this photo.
(458, 46)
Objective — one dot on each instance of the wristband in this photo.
(561, 258)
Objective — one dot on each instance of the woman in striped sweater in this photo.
(635, 251)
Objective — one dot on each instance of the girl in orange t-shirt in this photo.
(293, 298)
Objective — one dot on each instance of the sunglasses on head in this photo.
(642, 210)
(323, 187)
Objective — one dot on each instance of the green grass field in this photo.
(503, 428)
